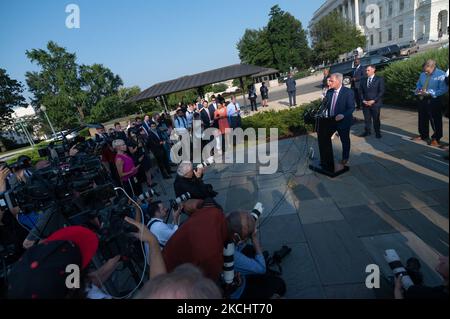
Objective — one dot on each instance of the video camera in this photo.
(56, 185)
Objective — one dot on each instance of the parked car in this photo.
(346, 68)
(407, 50)
(390, 51)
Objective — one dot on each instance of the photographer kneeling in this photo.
(190, 181)
(418, 291)
(257, 283)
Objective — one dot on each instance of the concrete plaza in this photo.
(394, 196)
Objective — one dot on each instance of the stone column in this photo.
(350, 11)
(356, 6)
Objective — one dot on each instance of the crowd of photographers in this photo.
(92, 207)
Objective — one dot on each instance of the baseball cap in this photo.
(41, 272)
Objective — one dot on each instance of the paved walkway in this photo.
(395, 196)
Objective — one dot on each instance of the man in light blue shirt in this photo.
(255, 282)
(181, 123)
(234, 113)
(190, 116)
(430, 88)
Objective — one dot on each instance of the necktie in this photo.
(333, 103)
(427, 82)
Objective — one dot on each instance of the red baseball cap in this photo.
(85, 239)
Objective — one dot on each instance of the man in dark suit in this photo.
(291, 88)
(212, 109)
(206, 116)
(358, 75)
(146, 124)
(372, 91)
(340, 106)
(156, 145)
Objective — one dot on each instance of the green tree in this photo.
(10, 97)
(287, 40)
(69, 91)
(281, 44)
(98, 82)
(56, 85)
(254, 48)
(221, 87)
(334, 35)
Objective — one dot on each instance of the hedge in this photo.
(289, 122)
(401, 77)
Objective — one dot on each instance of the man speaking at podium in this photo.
(340, 106)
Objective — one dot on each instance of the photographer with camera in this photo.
(157, 225)
(202, 238)
(190, 181)
(11, 233)
(250, 263)
(419, 291)
(37, 275)
(107, 151)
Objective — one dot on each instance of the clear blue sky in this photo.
(144, 41)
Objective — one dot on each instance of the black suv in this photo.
(391, 51)
(346, 68)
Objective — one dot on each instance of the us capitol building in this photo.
(400, 21)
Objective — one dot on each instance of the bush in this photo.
(401, 77)
(289, 122)
(221, 87)
(302, 74)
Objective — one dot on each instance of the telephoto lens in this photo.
(149, 194)
(181, 199)
(228, 263)
(209, 161)
(397, 267)
(257, 211)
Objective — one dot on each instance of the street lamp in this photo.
(43, 109)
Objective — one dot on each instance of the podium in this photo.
(325, 127)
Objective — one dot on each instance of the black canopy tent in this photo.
(197, 81)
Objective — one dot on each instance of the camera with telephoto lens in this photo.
(148, 194)
(208, 162)
(174, 203)
(398, 269)
(257, 211)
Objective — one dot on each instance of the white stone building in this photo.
(386, 22)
